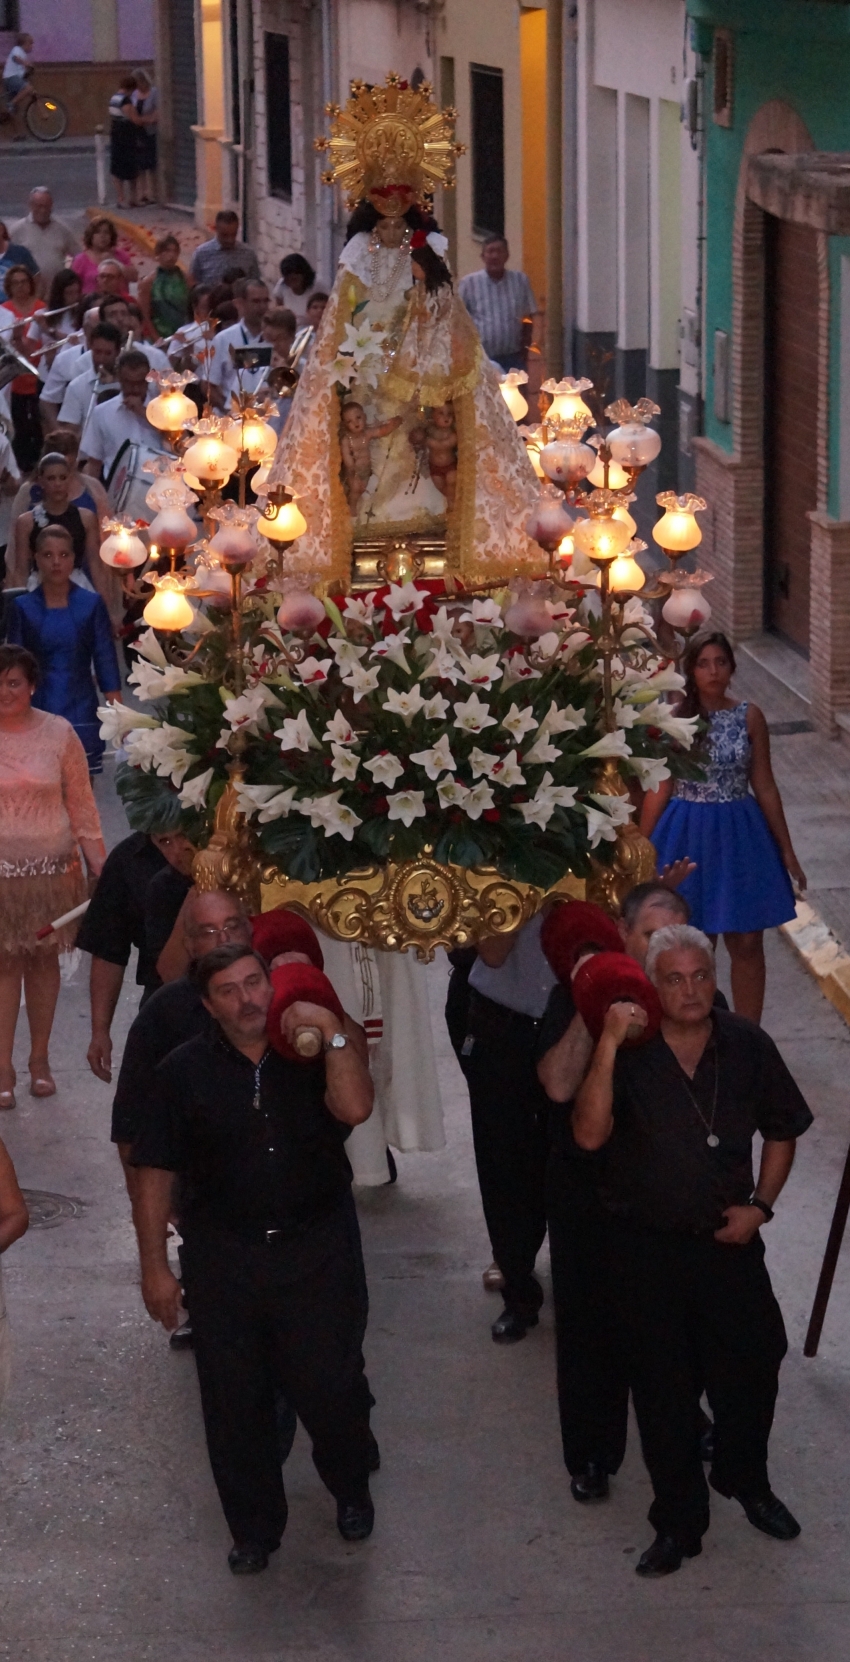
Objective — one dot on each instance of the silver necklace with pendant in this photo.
(712, 1139)
(382, 291)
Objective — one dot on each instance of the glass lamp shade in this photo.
(123, 549)
(172, 528)
(566, 461)
(566, 549)
(261, 478)
(209, 458)
(169, 608)
(234, 544)
(677, 531)
(621, 513)
(569, 407)
(686, 609)
(625, 575)
(517, 405)
(533, 453)
(634, 444)
(282, 522)
(253, 435)
(617, 478)
(216, 584)
(549, 521)
(601, 538)
(300, 610)
(171, 411)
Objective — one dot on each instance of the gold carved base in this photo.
(416, 905)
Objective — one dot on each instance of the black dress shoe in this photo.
(182, 1338)
(665, 1555)
(355, 1519)
(591, 1484)
(374, 1453)
(511, 1327)
(769, 1514)
(392, 1168)
(247, 1558)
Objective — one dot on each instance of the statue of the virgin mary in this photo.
(398, 428)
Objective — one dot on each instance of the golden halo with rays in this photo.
(390, 136)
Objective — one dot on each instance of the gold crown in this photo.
(390, 136)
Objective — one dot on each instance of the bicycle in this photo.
(46, 117)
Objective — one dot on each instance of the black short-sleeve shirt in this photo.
(163, 901)
(255, 1147)
(660, 1171)
(115, 920)
(172, 1015)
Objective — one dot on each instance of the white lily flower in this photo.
(566, 719)
(485, 614)
(314, 671)
(435, 760)
(482, 672)
(548, 645)
(436, 708)
(361, 340)
(407, 806)
(392, 647)
(472, 716)
(451, 794)
(339, 730)
(163, 749)
(194, 792)
(442, 625)
(538, 811)
(518, 722)
(248, 712)
(518, 668)
(610, 744)
(404, 599)
(478, 799)
(330, 815)
(404, 704)
(148, 681)
(252, 798)
(541, 751)
(116, 719)
(507, 772)
(650, 771)
(150, 648)
(361, 681)
(681, 728)
(600, 827)
(360, 608)
(563, 796)
(625, 715)
(345, 763)
(483, 762)
(445, 666)
(278, 806)
(385, 769)
(346, 652)
(574, 643)
(619, 808)
(297, 734)
(648, 686)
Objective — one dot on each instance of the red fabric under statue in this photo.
(614, 978)
(573, 927)
(284, 931)
(297, 984)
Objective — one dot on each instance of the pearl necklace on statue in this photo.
(381, 290)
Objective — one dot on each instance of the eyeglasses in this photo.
(211, 931)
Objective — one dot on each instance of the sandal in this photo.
(7, 1099)
(42, 1084)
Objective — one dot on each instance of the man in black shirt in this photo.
(271, 1273)
(677, 1117)
(115, 923)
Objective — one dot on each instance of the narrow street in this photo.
(113, 1544)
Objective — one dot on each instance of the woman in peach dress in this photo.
(48, 819)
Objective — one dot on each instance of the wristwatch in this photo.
(337, 1042)
(762, 1206)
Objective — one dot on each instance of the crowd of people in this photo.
(614, 1097)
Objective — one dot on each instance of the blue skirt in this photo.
(740, 883)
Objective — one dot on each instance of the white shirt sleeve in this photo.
(93, 441)
(77, 399)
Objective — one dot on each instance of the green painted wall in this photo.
(793, 50)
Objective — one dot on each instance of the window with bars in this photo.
(10, 15)
(488, 150)
(278, 116)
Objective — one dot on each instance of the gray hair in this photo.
(676, 937)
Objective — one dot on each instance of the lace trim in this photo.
(47, 866)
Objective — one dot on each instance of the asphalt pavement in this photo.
(67, 168)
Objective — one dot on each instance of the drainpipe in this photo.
(554, 189)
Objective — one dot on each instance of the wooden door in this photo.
(791, 416)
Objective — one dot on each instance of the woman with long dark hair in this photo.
(731, 823)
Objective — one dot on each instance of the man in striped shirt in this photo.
(502, 306)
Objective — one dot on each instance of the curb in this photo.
(822, 953)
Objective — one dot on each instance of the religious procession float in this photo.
(417, 685)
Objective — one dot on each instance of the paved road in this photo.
(66, 168)
(111, 1540)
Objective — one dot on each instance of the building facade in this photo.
(81, 49)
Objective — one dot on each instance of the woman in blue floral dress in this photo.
(731, 824)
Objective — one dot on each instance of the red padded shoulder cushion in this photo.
(294, 984)
(284, 931)
(570, 928)
(611, 978)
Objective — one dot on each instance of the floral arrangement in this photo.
(405, 719)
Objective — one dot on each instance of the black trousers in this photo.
(593, 1385)
(695, 1314)
(509, 1111)
(278, 1318)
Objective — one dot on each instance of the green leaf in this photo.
(335, 615)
